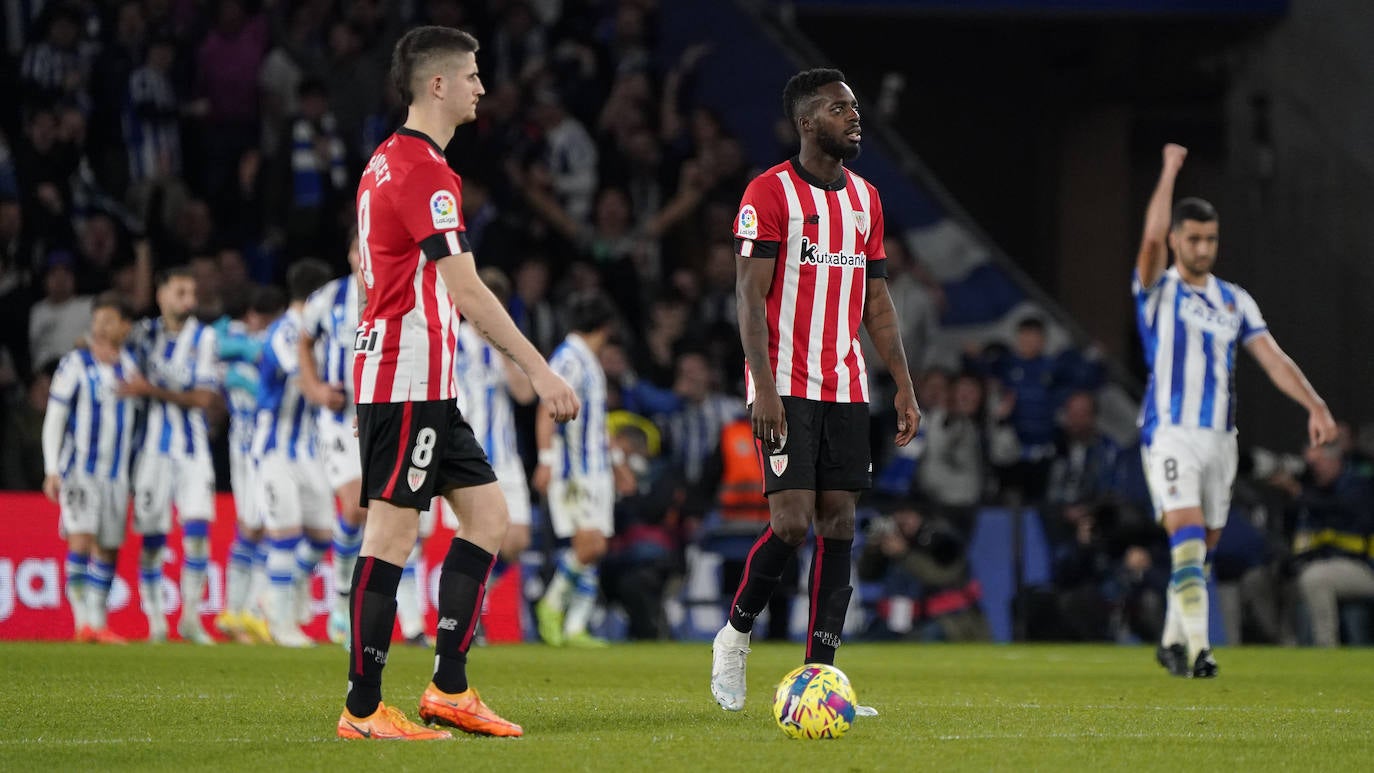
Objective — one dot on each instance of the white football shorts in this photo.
(576, 504)
(94, 505)
(1191, 467)
(163, 481)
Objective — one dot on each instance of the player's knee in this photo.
(790, 527)
(517, 539)
(836, 523)
(589, 546)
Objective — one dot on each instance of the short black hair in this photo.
(418, 48)
(175, 272)
(269, 300)
(803, 86)
(590, 311)
(1031, 323)
(1193, 208)
(305, 276)
(111, 299)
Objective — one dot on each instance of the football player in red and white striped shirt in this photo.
(417, 271)
(811, 271)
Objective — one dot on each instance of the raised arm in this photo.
(492, 322)
(1289, 378)
(1153, 257)
(880, 319)
(754, 276)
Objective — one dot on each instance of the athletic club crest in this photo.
(861, 222)
(779, 464)
(415, 478)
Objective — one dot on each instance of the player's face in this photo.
(461, 88)
(110, 326)
(177, 298)
(834, 122)
(1195, 246)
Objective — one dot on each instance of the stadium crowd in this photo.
(228, 136)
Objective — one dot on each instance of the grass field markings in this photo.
(1079, 736)
(1139, 707)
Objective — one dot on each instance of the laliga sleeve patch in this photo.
(443, 208)
(747, 224)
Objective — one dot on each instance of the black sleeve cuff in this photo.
(877, 269)
(437, 246)
(761, 249)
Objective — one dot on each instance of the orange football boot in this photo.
(387, 723)
(106, 636)
(465, 711)
(84, 635)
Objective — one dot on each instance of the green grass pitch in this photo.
(647, 707)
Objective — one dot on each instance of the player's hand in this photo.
(134, 386)
(556, 396)
(52, 486)
(770, 422)
(540, 480)
(908, 416)
(1321, 426)
(333, 399)
(1174, 155)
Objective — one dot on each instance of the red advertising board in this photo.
(34, 606)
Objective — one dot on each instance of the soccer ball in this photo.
(814, 701)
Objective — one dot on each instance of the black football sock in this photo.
(372, 613)
(462, 584)
(830, 591)
(762, 570)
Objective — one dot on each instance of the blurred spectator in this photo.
(21, 247)
(15, 299)
(227, 70)
(1333, 525)
(110, 90)
(318, 181)
(101, 251)
(1036, 384)
(961, 440)
(1084, 465)
(929, 593)
(44, 165)
(643, 552)
(355, 78)
(570, 156)
(21, 439)
(1101, 591)
(518, 45)
(495, 235)
(295, 54)
(61, 317)
(152, 132)
(52, 67)
(1357, 459)
(530, 307)
(694, 428)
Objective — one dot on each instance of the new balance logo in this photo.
(812, 220)
(448, 624)
(744, 615)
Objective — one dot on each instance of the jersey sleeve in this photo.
(761, 223)
(207, 361)
(1252, 322)
(65, 380)
(315, 315)
(429, 206)
(877, 255)
(281, 353)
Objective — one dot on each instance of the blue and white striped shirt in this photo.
(285, 423)
(486, 404)
(87, 426)
(1190, 336)
(694, 431)
(179, 362)
(583, 444)
(330, 317)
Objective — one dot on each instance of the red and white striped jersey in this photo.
(409, 217)
(827, 239)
